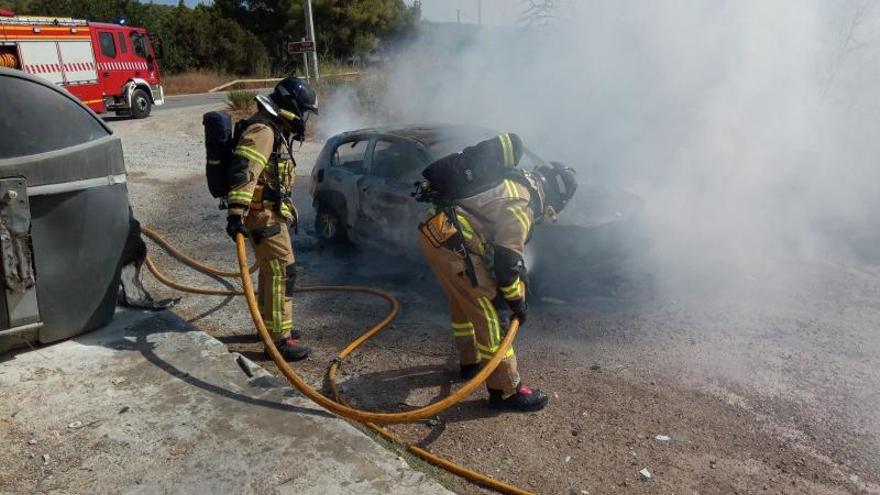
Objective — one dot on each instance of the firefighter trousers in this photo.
(476, 326)
(277, 272)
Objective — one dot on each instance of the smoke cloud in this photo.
(749, 128)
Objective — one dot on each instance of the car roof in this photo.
(438, 139)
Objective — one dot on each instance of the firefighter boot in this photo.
(469, 371)
(524, 400)
(291, 350)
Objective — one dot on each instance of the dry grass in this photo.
(193, 82)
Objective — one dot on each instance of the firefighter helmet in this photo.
(558, 183)
(295, 95)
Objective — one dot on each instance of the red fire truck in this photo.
(110, 67)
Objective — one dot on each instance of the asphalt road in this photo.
(184, 101)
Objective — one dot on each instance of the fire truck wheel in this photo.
(140, 104)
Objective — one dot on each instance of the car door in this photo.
(386, 202)
(348, 165)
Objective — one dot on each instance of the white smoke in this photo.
(749, 127)
(742, 123)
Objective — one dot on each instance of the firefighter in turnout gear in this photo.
(261, 178)
(477, 256)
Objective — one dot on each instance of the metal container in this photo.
(64, 212)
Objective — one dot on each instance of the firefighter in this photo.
(488, 261)
(261, 179)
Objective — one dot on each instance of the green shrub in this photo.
(240, 100)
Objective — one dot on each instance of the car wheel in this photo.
(140, 104)
(328, 225)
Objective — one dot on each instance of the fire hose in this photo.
(370, 419)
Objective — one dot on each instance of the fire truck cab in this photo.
(109, 67)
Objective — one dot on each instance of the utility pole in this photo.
(310, 32)
(458, 16)
(480, 13)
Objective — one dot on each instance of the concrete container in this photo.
(64, 212)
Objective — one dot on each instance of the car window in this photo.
(397, 160)
(123, 48)
(350, 155)
(108, 47)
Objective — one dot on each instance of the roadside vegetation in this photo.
(240, 103)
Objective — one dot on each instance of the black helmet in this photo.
(296, 96)
(559, 184)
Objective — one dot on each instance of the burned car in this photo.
(363, 180)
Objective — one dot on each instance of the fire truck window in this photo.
(37, 119)
(138, 45)
(123, 48)
(108, 47)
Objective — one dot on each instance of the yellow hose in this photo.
(370, 419)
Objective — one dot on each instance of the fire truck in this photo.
(109, 67)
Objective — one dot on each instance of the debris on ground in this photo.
(645, 475)
(663, 438)
(75, 425)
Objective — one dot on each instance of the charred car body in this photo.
(363, 181)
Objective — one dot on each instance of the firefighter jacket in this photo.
(262, 171)
(497, 223)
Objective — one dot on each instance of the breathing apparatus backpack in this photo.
(474, 170)
(221, 138)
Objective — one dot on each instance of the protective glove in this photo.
(520, 309)
(234, 225)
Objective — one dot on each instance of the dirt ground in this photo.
(761, 386)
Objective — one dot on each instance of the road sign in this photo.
(295, 47)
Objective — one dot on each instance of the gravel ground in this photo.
(765, 388)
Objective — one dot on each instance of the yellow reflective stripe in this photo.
(487, 348)
(277, 309)
(242, 196)
(522, 217)
(466, 227)
(512, 291)
(492, 321)
(214, 162)
(484, 356)
(463, 329)
(251, 154)
(506, 149)
(512, 192)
